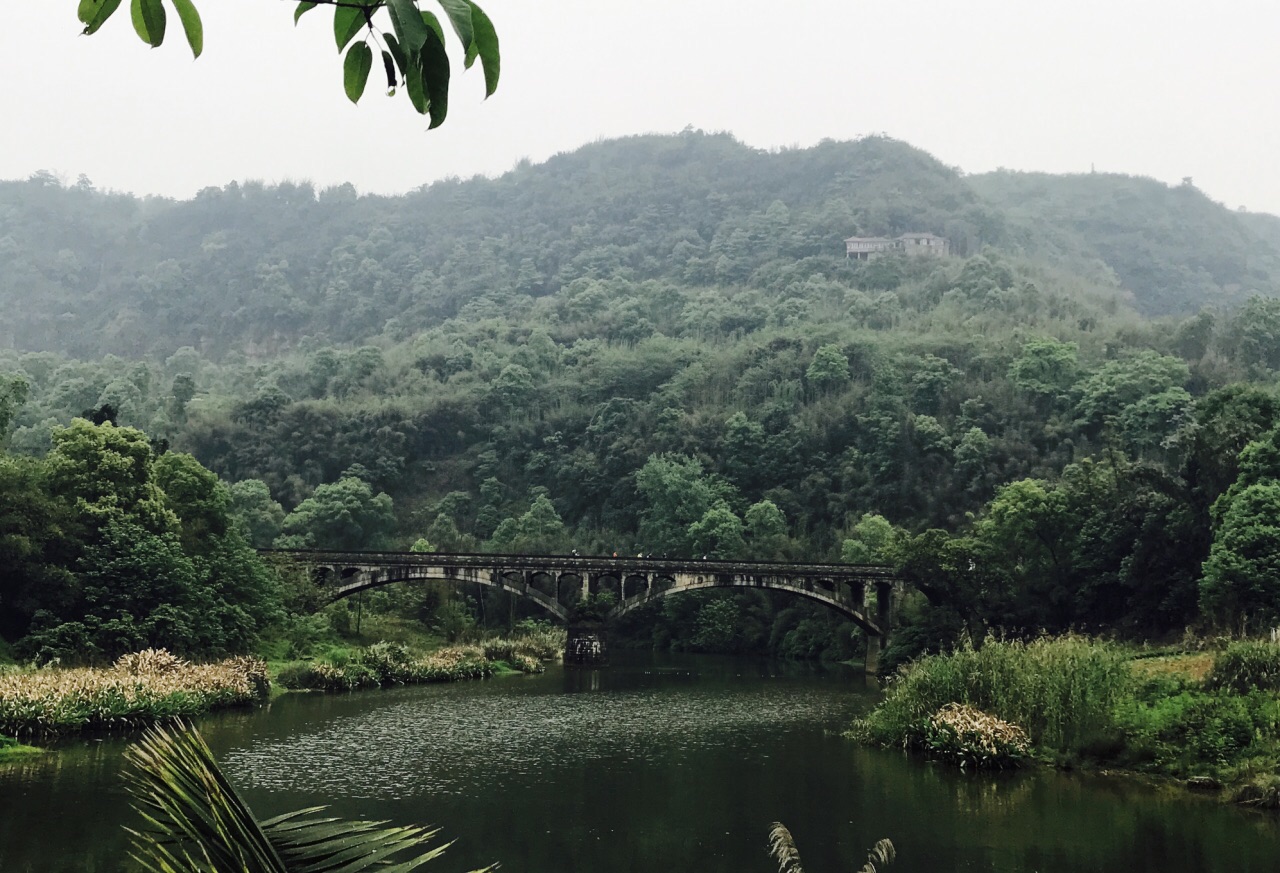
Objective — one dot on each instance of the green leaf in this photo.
(389, 64)
(148, 20)
(435, 77)
(416, 90)
(355, 70)
(408, 24)
(94, 13)
(486, 43)
(347, 21)
(430, 20)
(303, 8)
(397, 53)
(87, 10)
(459, 12)
(191, 24)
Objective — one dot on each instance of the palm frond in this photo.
(195, 822)
(880, 857)
(783, 848)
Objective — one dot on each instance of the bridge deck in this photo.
(593, 564)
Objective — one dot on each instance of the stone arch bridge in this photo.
(557, 582)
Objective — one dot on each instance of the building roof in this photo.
(919, 236)
(868, 239)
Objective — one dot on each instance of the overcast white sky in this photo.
(1164, 88)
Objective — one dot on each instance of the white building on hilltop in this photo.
(865, 248)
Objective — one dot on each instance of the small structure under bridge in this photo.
(866, 594)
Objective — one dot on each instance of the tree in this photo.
(38, 541)
(196, 496)
(13, 394)
(106, 472)
(1123, 382)
(1045, 367)
(412, 52)
(718, 534)
(677, 495)
(256, 512)
(342, 515)
(766, 531)
(829, 369)
(871, 543)
(540, 530)
(1242, 576)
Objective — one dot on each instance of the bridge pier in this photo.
(587, 644)
(886, 607)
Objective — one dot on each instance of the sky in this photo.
(1167, 89)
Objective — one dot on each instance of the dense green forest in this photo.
(656, 345)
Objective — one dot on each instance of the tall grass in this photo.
(1244, 666)
(385, 664)
(1062, 691)
(138, 689)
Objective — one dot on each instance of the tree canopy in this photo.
(407, 39)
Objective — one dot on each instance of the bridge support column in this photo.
(886, 603)
(587, 644)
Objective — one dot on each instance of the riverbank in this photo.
(152, 686)
(1211, 720)
(137, 690)
(12, 750)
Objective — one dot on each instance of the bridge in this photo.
(557, 583)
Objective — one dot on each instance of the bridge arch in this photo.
(824, 591)
(353, 580)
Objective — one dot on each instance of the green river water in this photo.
(654, 765)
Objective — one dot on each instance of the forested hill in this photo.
(255, 268)
(656, 345)
(1173, 247)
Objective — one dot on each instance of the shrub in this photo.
(392, 663)
(1245, 666)
(1194, 727)
(1063, 691)
(966, 736)
(295, 675)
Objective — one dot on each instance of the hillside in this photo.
(656, 344)
(1173, 248)
(254, 268)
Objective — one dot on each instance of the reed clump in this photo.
(386, 664)
(970, 738)
(1063, 691)
(139, 689)
(540, 645)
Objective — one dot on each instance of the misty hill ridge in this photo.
(251, 267)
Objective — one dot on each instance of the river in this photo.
(655, 764)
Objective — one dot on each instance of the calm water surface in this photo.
(656, 764)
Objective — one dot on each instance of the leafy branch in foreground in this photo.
(195, 822)
(412, 50)
(782, 846)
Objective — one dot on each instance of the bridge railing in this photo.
(588, 563)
